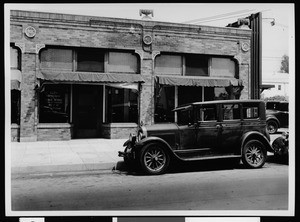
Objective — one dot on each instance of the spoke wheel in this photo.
(154, 159)
(272, 126)
(254, 154)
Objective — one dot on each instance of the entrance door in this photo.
(87, 111)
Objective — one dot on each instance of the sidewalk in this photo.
(65, 156)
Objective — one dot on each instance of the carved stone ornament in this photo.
(147, 39)
(30, 32)
(245, 46)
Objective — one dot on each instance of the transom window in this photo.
(89, 60)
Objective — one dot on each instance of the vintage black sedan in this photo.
(203, 130)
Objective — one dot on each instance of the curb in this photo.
(62, 168)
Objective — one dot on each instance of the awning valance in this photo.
(89, 77)
(197, 81)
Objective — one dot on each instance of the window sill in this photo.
(53, 125)
(112, 125)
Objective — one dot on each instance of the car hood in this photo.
(161, 128)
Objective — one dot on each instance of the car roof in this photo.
(186, 106)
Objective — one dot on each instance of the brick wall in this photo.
(52, 132)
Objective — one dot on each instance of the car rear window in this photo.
(250, 111)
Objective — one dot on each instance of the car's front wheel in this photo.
(254, 154)
(154, 159)
(272, 126)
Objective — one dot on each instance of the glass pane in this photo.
(196, 65)
(14, 58)
(189, 94)
(15, 106)
(122, 105)
(90, 60)
(222, 67)
(168, 64)
(231, 111)
(206, 113)
(251, 111)
(184, 117)
(164, 104)
(55, 58)
(122, 62)
(54, 104)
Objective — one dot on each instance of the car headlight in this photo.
(132, 138)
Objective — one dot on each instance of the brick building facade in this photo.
(81, 76)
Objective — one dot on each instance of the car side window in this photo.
(231, 111)
(284, 107)
(184, 117)
(250, 111)
(206, 113)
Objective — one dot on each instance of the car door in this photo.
(231, 127)
(187, 129)
(208, 127)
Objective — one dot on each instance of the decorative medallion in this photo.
(30, 32)
(245, 46)
(147, 39)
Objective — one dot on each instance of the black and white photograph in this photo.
(143, 109)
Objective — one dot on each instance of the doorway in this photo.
(87, 111)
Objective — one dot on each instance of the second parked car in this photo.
(277, 113)
(203, 130)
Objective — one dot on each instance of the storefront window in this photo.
(164, 104)
(90, 60)
(121, 105)
(15, 106)
(220, 93)
(54, 104)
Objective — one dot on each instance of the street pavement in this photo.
(67, 156)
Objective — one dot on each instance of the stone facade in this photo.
(112, 33)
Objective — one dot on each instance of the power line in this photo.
(218, 16)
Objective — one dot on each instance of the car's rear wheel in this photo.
(154, 159)
(272, 126)
(254, 154)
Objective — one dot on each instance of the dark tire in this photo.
(272, 126)
(154, 159)
(254, 154)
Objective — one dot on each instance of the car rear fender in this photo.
(154, 139)
(258, 136)
(271, 117)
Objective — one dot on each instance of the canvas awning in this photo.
(197, 81)
(89, 77)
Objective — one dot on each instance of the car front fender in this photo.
(153, 139)
(259, 136)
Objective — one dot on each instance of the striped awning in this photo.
(89, 77)
(197, 81)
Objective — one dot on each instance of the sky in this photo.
(276, 40)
